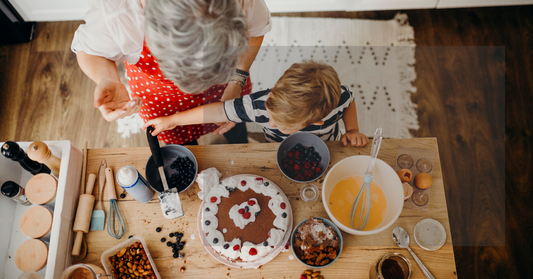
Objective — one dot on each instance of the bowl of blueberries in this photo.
(180, 167)
(303, 157)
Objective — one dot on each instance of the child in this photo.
(307, 98)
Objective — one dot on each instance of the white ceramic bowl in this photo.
(384, 176)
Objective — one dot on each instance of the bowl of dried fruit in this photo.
(130, 259)
(316, 242)
(303, 157)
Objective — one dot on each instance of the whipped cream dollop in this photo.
(244, 213)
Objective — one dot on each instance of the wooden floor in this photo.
(475, 90)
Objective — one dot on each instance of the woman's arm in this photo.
(233, 90)
(210, 113)
(110, 95)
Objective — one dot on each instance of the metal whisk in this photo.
(116, 226)
(362, 201)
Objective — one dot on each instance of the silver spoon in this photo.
(401, 238)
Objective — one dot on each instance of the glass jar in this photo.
(84, 271)
(391, 266)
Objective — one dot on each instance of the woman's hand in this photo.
(232, 91)
(356, 139)
(113, 101)
(160, 124)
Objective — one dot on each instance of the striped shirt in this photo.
(251, 108)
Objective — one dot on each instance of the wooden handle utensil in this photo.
(83, 215)
(39, 151)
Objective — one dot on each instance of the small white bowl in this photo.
(384, 176)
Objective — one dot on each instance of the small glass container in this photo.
(84, 271)
(430, 234)
(405, 161)
(420, 197)
(41, 190)
(13, 191)
(391, 265)
(31, 255)
(309, 193)
(36, 222)
(424, 165)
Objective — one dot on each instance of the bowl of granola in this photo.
(316, 242)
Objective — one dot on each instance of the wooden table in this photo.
(358, 253)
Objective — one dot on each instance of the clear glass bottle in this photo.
(13, 191)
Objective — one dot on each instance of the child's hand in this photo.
(160, 124)
(355, 138)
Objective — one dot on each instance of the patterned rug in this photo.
(374, 58)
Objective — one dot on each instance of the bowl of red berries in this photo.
(303, 157)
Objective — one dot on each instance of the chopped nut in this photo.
(182, 269)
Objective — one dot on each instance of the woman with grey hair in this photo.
(179, 54)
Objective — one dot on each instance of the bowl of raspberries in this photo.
(303, 157)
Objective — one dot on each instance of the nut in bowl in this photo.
(303, 157)
(316, 242)
(130, 259)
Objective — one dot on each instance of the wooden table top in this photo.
(358, 254)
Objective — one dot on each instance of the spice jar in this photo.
(83, 271)
(41, 190)
(13, 191)
(391, 266)
(36, 222)
(31, 255)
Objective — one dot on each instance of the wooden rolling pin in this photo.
(39, 151)
(83, 215)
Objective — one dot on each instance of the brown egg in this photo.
(423, 180)
(405, 175)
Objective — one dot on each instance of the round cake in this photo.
(245, 221)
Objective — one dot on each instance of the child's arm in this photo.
(210, 113)
(352, 128)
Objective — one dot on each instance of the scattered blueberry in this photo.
(257, 213)
(158, 229)
(266, 184)
(226, 246)
(163, 239)
(182, 243)
(174, 245)
(180, 247)
(169, 243)
(122, 195)
(171, 234)
(284, 215)
(215, 240)
(175, 255)
(207, 223)
(130, 236)
(246, 209)
(207, 209)
(175, 250)
(265, 243)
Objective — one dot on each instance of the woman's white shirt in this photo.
(114, 29)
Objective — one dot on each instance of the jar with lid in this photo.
(13, 191)
(83, 271)
(41, 190)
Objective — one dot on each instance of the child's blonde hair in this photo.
(306, 93)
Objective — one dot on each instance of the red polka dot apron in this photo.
(161, 97)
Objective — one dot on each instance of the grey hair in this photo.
(197, 43)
